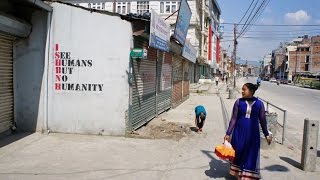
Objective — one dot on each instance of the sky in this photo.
(262, 40)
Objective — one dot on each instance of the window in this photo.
(173, 7)
(142, 7)
(169, 7)
(128, 7)
(308, 49)
(161, 7)
(118, 9)
(307, 59)
(123, 7)
(89, 5)
(306, 67)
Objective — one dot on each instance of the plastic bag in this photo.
(225, 151)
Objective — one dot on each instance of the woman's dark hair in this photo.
(252, 87)
(202, 117)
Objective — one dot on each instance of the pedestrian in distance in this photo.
(247, 113)
(200, 117)
(259, 81)
(217, 80)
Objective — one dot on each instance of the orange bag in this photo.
(225, 151)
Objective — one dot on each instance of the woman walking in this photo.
(248, 111)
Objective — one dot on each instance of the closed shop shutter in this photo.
(191, 72)
(6, 82)
(177, 81)
(164, 79)
(186, 77)
(143, 86)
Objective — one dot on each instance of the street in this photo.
(300, 103)
(61, 156)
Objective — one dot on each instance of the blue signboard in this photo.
(159, 33)
(183, 21)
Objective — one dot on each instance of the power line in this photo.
(245, 24)
(278, 31)
(255, 17)
(277, 34)
(284, 25)
(245, 13)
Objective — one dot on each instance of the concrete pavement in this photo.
(63, 156)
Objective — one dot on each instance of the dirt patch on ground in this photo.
(163, 130)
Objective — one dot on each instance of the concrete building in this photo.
(203, 31)
(56, 79)
(267, 66)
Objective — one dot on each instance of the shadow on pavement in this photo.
(6, 140)
(194, 129)
(291, 162)
(218, 168)
(277, 167)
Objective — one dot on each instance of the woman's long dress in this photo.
(244, 127)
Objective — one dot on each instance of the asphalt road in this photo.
(300, 103)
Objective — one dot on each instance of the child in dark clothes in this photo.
(200, 117)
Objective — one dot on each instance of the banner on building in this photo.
(189, 52)
(183, 21)
(159, 33)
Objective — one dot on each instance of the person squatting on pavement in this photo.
(247, 112)
(200, 117)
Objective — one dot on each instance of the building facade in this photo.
(203, 32)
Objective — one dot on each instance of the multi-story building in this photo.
(203, 31)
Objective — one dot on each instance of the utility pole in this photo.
(235, 43)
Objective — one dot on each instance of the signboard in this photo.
(183, 21)
(189, 52)
(159, 33)
(138, 53)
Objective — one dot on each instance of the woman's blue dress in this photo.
(244, 127)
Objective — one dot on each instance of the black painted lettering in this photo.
(71, 87)
(100, 87)
(78, 63)
(68, 55)
(64, 78)
(71, 63)
(89, 63)
(94, 87)
(84, 87)
(77, 87)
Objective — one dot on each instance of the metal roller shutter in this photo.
(177, 81)
(186, 77)
(6, 82)
(164, 79)
(143, 86)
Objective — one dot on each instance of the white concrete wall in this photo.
(29, 80)
(90, 112)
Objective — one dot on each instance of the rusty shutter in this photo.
(6, 82)
(143, 86)
(164, 81)
(177, 81)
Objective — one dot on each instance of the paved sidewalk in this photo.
(63, 156)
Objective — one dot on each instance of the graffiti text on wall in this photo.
(65, 67)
